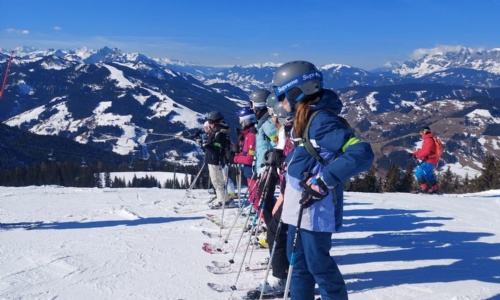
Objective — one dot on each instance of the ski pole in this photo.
(242, 232)
(246, 250)
(292, 256)
(197, 176)
(192, 185)
(239, 187)
(247, 219)
(257, 215)
(248, 191)
(263, 195)
(264, 281)
(240, 212)
(224, 196)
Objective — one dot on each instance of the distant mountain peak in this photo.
(451, 58)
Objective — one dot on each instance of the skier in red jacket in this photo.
(425, 170)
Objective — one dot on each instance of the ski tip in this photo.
(207, 250)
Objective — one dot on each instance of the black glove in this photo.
(274, 157)
(314, 190)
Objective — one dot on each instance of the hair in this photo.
(302, 113)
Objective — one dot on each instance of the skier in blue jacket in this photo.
(314, 189)
(267, 133)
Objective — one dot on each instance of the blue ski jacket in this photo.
(346, 156)
(265, 139)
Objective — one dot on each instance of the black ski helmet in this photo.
(425, 129)
(297, 74)
(215, 116)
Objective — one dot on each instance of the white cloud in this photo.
(57, 28)
(17, 31)
(439, 49)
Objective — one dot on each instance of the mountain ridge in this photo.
(127, 101)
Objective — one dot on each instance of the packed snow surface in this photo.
(79, 243)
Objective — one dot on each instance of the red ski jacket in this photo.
(428, 148)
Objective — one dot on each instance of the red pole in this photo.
(6, 74)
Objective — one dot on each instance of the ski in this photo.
(186, 210)
(251, 294)
(223, 288)
(210, 234)
(218, 207)
(214, 219)
(223, 264)
(233, 269)
(196, 202)
(213, 249)
(255, 294)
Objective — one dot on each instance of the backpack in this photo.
(439, 148)
(309, 147)
(305, 136)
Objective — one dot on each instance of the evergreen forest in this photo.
(73, 174)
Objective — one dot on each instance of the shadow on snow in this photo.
(93, 224)
(401, 232)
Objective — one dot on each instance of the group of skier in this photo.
(293, 138)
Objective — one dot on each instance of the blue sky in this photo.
(360, 33)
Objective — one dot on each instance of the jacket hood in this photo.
(329, 100)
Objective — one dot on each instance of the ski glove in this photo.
(274, 157)
(314, 190)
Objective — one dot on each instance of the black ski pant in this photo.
(279, 261)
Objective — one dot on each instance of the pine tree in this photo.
(98, 181)
(393, 179)
(366, 184)
(488, 178)
(107, 179)
(465, 184)
(496, 174)
(408, 179)
(457, 184)
(446, 182)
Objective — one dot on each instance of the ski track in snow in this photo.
(130, 244)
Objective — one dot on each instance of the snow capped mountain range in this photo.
(149, 107)
(466, 58)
